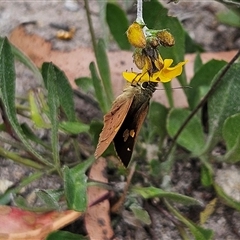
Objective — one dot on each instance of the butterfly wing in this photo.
(113, 121)
(125, 139)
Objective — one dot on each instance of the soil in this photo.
(199, 19)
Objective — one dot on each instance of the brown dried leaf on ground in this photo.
(19, 224)
(75, 63)
(97, 219)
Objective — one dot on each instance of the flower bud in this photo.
(139, 58)
(136, 35)
(165, 38)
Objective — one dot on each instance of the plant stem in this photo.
(210, 92)
(139, 18)
(18, 159)
(90, 26)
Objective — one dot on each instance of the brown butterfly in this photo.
(123, 122)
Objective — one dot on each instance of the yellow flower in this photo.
(165, 74)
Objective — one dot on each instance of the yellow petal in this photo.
(136, 77)
(167, 63)
(172, 72)
(129, 76)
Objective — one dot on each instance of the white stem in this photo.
(139, 13)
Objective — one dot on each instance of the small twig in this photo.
(117, 206)
(204, 100)
(167, 214)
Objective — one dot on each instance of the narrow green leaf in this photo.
(62, 235)
(75, 185)
(190, 45)
(99, 91)
(74, 127)
(16, 158)
(231, 130)
(201, 82)
(23, 183)
(36, 114)
(7, 95)
(197, 62)
(206, 176)
(141, 214)
(233, 5)
(231, 134)
(118, 25)
(31, 136)
(65, 94)
(222, 104)
(192, 137)
(198, 232)
(50, 198)
(104, 70)
(227, 199)
(20, 56)
(95, 130)
(22, 203)
(169, 93)
(230, 18)
(84, 83)
(152, 192)
(53, 104)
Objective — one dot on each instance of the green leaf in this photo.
(192, 137)
(198, 232)
(62, 235)
(230, 18)
(20, 56)
(234, 5)
(104, 70)
(7, 95)
(53, 104)
(74, 127)
(118, 25)
(157, 118)
(231, 130)
(65, 94)
(36, 113)
(201, 82)
(141, 214)
(222, 104)
(152, 192)
(75, 185)
(84, 83)
(22, 203)
(231, 134)
(62, 89)
(197, 62)
(206, 176)
(95, 130)
(227, 199)
(190, 45)
(31, 136)
(50, 198)
(99, 91)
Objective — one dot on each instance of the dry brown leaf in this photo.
(20, 224)
(97, 219)
(75, 63)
